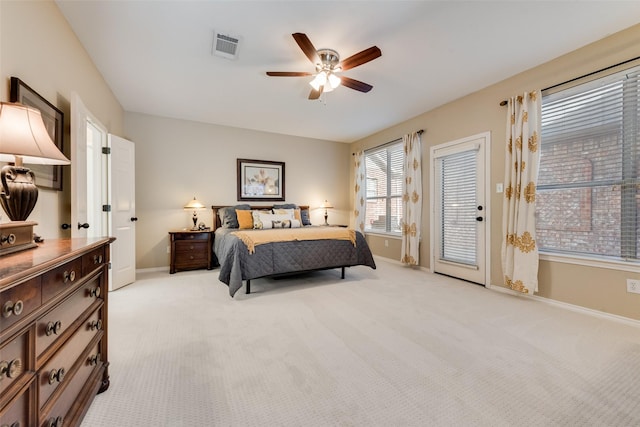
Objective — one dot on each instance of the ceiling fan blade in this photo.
(288, 73)
(315, 94)
(361, 58)
(307, 47)
(355, 84)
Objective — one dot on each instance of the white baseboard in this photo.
(396, 262)
(572, 307)
(152, 269)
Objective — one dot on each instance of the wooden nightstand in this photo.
(191, 250)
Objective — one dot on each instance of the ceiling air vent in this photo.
(225, 46)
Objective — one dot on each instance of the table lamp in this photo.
(196, 206)
(326, 205)
(23, 139)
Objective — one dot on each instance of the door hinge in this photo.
(106, 208)
(106, 150)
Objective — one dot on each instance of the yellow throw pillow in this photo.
(245, 218)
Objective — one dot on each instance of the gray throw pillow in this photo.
(228, 216)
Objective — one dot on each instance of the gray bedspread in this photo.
(237, 264)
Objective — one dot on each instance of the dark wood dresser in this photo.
(53, 332)
(191, 250)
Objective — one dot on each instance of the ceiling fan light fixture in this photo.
(319, 80)
(334, 81)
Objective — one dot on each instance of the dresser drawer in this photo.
(17, 412)
(19, 301)
(14, 360)
(63, 403)
(191, 248)
(60, 367)
(61, 278)
(93, 260)
(54, 324)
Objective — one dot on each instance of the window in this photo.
(384, 171)
(588, 187)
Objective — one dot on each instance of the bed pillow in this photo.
(289, 212)
(304, 217)
(265, 220)
(286, 223)
(245, 218)
(228, 217)
(285, 206)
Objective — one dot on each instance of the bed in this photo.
(247, 253)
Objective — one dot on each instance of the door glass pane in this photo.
(459, 207)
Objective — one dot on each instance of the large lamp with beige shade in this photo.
(23, 140)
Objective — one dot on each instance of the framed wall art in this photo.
(46, 176)
(260, 180)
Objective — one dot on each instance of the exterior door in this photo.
(460, 244)
(123, 211)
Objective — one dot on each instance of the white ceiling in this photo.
(156, 55)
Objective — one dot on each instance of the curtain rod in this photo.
(420, 132)
(505, 102)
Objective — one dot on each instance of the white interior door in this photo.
(460, 244)
(88, 173)
(123, 211)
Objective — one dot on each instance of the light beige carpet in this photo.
(386, 347)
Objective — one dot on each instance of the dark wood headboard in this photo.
(216, 218)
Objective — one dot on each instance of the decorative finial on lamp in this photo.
(23, 139)
(196, 205)
(326, 205)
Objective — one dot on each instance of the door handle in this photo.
(134, 218)
(65, 226)
(479, 218)
(85, 225)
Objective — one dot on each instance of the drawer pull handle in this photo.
(96, 324)
(53, 328)
(56, 375)
(69, 276)
(55, 422)
(10, 239)
(95, 292)
(97, 259)
(10, 308)
(95, 359)
(10, 369)
(16, 424)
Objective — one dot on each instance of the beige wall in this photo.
(595, 288)
(177, 160)
(38, 46)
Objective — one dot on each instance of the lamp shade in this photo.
(23, 134)
(326, 205)
(194, 204)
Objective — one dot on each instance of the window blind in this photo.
(384, 176)
(458, 207)
(588, 199)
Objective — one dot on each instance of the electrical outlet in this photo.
(386, 243)
(633, 286)
(168, 249)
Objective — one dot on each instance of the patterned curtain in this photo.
(411, 199)
(522, 158)
(359, 200)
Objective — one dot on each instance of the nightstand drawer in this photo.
(191, 236)
(198, 247)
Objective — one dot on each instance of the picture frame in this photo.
(260, 180)
(46, 176)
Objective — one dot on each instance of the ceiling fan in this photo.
(328, 65)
